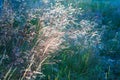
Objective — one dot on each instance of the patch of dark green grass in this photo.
(70, 64)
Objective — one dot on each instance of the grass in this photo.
(19, 42)
(70, 64)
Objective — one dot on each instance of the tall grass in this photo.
(69, 64)
(58, 42)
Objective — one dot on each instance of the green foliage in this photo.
(70, 64)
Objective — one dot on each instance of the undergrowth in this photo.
(70, 64)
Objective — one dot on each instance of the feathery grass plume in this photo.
(53, 22)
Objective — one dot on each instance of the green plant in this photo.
(70, 64)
